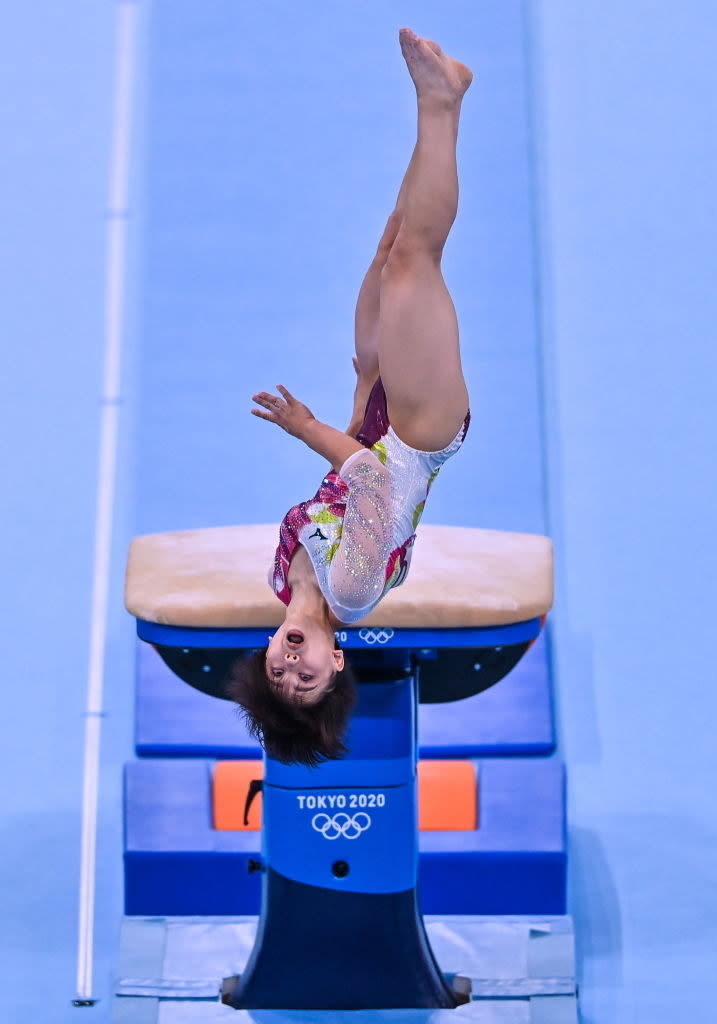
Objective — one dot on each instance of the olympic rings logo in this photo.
(346, 825)
(376, 636)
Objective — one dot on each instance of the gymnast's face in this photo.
(301, 662)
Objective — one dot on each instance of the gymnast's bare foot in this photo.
(436, 75)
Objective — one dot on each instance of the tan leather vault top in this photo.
(459, 576)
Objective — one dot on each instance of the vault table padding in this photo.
(459, 577)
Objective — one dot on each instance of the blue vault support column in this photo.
(340, 926)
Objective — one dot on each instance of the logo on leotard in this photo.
(346, 825)
(401, 576)
(375, 636)
(317, 533)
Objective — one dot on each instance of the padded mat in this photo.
(512, 718)
(514, 863)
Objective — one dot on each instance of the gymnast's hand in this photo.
(287, 412)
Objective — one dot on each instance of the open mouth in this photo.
(294, 636)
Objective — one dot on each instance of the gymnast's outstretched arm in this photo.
(298, 420)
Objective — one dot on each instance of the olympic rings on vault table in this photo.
(346, 825)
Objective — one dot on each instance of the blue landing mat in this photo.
(522, 971)
(513, 718)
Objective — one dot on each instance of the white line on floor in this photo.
(127, 17)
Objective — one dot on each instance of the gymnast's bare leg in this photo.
(367, 317)
(417, 336)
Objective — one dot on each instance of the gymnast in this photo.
(341, 551)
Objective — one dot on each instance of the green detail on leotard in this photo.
(331, 551)
(324, 516)
(433, 476)
(417, 513)
(381, 453)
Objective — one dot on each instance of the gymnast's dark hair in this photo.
(289, 732)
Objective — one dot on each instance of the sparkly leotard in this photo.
(359, 527)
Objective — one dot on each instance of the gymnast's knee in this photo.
(412, 252)
(390, 232)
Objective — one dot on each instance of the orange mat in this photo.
(447, 796)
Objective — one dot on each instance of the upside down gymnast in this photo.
(341, 551)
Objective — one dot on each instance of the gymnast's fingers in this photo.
(263, 415)
(285, 394)
(270, 402)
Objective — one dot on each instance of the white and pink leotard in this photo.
(359, 527)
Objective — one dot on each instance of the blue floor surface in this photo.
(266, 161)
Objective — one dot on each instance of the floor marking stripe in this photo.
(126, 31)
